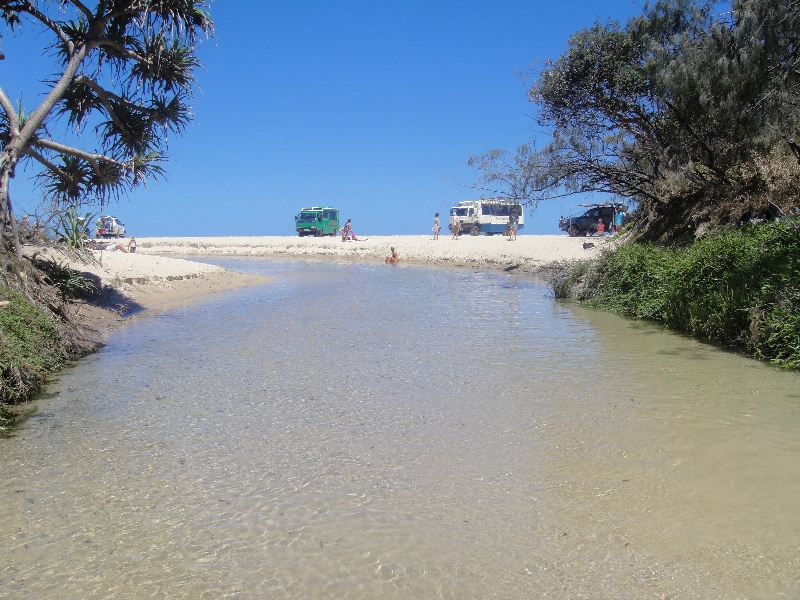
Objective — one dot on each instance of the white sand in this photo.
(130, 283)
(120, 267)
(529, 252)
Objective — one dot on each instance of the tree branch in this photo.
(38, 116)
(103, 94)
(77, 153)
(13, 117)
(119, 48)
(32, 153)
(83, 9)
(39, 15)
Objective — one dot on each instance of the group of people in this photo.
(112, 246)
(455, 226)
(614, 227)
(349, 235)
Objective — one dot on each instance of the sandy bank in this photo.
(530, 253)
(131, 283)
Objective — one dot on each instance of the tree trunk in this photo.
(4, 176)
(14, 232)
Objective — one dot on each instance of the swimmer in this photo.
(392, 258)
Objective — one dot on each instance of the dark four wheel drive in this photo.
(587, 222)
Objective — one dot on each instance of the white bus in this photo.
(489, 216)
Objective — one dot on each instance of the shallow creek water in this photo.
(363, 431)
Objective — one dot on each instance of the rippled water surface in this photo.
(362, 431)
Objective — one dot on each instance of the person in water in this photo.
(393, 258)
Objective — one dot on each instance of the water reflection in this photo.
(353, 430)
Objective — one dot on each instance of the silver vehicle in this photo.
(110, 227)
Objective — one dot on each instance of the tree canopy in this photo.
(693, 114)
(124, 77)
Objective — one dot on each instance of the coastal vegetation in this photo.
(37, 334)
(123, 76)
(120, 85)
(688, 112)
(739, 286)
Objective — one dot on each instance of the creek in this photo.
(354, 430)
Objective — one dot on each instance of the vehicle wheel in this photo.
(574, 231)
(475, 230)
(317, 234)
(301, 233)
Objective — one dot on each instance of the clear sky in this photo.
(373, 107)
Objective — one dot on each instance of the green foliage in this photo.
(69, 282)
(740, 286)
(30, 348)
(72, 227)
(121, 83)
(689, 112)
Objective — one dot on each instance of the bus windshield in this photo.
(307, 217)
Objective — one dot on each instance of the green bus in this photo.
(317, 221)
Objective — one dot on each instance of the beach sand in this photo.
(153, 280)
(528, 253)
(132, 283)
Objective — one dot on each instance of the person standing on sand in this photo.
(393, 258)
(454, 225)
(132, 245)
(601, 228)
(437, 227)
(512, 228)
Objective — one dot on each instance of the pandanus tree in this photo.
(124, 77)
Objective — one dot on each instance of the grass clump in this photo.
(30, 347)
(740, 286)
(37, 334)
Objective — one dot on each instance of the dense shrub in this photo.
(740, 286)
(30, 347)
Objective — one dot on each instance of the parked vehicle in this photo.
(317, 221)
(587, 222)
(488, 216)
(110, 227)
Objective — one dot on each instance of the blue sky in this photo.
(372, 107)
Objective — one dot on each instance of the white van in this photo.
(110, 227)
(489, 216)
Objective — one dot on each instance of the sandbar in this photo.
(528, 253)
